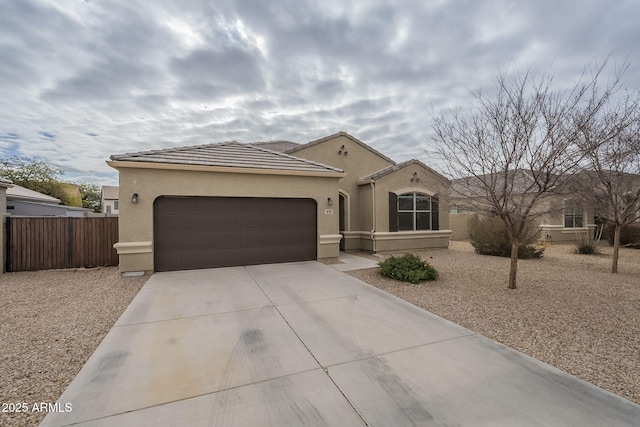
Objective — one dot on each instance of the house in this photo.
(109, 196)
(561, 215)
(230, 204)
(384, 206)
(22, 201)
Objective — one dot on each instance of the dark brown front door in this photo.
(206, 232)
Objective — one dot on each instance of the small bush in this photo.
(589, 244)
(528, 252)
(408, 268)
(629, 234)
(586, 248)
(489, 236)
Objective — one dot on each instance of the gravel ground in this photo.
(50, 323)
(568, 310)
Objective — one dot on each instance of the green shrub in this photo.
(408, 268)
(629, 234)
(488, 236)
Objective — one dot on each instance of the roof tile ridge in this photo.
(289, 156)
(168, 150)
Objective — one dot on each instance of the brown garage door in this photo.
(206, 232)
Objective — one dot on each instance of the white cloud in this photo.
(131, 75)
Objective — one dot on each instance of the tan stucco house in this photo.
(561, 216)
(110, 199)
(230, 204)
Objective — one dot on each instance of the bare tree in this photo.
(611, 179)
(518, 146)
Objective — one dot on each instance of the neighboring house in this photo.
(565, 216)
(239, 204)
(4, 184)
(110, 199)
(25, 202)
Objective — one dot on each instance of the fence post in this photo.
(6, 261)
(70, 242)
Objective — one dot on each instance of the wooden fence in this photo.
(42, 243)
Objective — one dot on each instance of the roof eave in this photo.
(120, 164)
(400, 166)
(20, 198)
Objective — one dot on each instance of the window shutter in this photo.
(435, 215)
(393, 212)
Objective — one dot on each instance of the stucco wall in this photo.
(551, 220)
(549, 232)
(400, 182)
(28, 208)
(368, 225)
(112, 205)
(458, 223)
(358, 162)
(135, 244)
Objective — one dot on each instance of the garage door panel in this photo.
(184, 241)
(206, 232)
(232, 256)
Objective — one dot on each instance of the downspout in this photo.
(373, 198)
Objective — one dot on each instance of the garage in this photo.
(207, 232)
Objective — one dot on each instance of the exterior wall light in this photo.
(134, 198)
(329, 201)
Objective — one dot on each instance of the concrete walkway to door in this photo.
(304, 344)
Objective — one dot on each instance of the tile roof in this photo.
(20, 193)
(386, 171)
(226, 154)
(336, 135)
(279, 146)
(110, 192)
(519, 181)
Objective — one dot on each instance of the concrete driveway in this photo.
(304, 344)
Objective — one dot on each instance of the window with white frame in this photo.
(414, 212)
(573, 214)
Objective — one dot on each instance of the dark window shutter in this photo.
(393, 212)
(435, 216)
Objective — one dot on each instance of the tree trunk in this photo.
(513, 270)
(616, 248)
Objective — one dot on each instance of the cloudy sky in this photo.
(83, 79)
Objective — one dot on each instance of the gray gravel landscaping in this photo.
(568, 310)
(50, 323)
